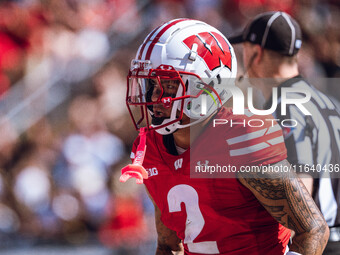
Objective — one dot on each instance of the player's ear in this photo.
(258, 54)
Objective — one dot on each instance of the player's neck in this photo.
(182, 137)
(185, 136)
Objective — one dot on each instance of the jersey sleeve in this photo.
(256, 140)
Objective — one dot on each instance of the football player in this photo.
(182, 75)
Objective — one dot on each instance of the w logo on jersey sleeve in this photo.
(212, 47)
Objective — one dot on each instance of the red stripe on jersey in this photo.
(155, 40)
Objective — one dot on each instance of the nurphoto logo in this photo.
(289, 96)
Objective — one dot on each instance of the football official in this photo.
(271, 42)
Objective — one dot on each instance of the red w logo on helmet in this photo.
(212, 47)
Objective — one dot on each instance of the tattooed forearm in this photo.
(302, 204)
(272, 188)
(284, 196)
(312, 242)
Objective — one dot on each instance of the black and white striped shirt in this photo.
(313, 145)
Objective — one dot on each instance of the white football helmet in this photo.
(194, 55)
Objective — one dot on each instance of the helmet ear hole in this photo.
(186, 85)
